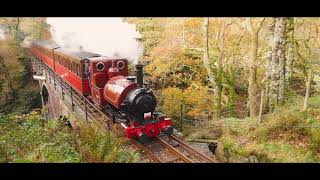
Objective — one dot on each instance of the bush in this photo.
(287, 135)
(98, 147)
(25, 139)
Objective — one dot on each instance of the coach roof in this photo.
(78, 55)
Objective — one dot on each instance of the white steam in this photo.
(106, 36)
(2, 34)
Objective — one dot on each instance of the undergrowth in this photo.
(287, 135)
(27, 138)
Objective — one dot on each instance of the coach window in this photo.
(64, 62)
(59, 59)
(73, 68)
(77, 66)
(67, 64)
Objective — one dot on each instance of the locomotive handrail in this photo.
(96, 86)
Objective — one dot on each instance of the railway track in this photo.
(162, 149)
(171, 149)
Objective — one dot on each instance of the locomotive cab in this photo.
(101, 70)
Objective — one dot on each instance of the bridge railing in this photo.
(92, 112)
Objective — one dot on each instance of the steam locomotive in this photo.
(105, 82)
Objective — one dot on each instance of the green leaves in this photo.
(24, 139)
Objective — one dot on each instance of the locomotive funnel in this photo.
(139, 74)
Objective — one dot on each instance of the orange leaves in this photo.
(197, 101)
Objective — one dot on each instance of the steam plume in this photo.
(2, 34)
(106, 36)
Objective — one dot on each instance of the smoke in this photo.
(2, 34)
(106, 36)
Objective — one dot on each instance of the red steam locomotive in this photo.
(105, 81)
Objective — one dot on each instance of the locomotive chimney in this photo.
(139, 74)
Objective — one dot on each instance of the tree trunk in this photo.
(16, 31)
(206, 51)
(232, 91)
(252, 89)
(215, 81)
(269, 66)
(219, 76)
(290, 49)
(218, 93)
(277, 64)
(282, 61)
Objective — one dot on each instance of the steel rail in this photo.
(191, 150)
(175, 151)
(147, 150)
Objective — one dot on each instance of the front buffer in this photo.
(153, 129)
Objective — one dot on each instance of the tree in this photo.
(254, 37)
(290, 56)
(206, 51)
(277, 63)
(215, 77)
(5, 71)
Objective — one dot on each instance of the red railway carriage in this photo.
(44, 51)
(71, 67)
(68, 64)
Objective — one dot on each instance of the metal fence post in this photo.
(181, 117)
(62, 90)
(85, 106)
(54, 82)
(261, 107)
(307, 95)
(72, 105)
